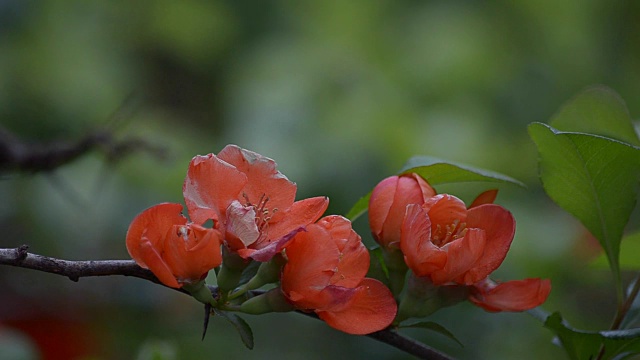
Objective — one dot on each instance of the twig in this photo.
(74, 270)
(17, 155)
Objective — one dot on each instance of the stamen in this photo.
(452, 232)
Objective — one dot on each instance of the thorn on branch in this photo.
(207, 315)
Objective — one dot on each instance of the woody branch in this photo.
(74, 270)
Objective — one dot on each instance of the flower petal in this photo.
(388, 202)
(420, 254)
(499, 227)
(444, 210)
(191, 251)
(517, 295)
(241, 223)
(152, 224)
(371, 308)
(301, 213)
(462, 254)
(353, 258)
(380, 203)
(266, 253)
(263, 179)
(311, 260)
(156, 264)
(487, 197)
(210, 186)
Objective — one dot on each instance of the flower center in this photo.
(263, 213)
(441, 236)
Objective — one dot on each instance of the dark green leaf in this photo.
(583, 345)
(593, 178)
(437, 171)
(597, 110)
(430, 325)
(244, 330)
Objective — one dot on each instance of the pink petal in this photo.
(371, 308)
(444, 210)
(153, 224)
(157, 265)
(353, 259)
(420, 254)
(311, 260)
(487, 197)
(301, 213)
(210, 186)
(518, 295)
(462, 254)
(263, 179)
(241, 223)
(380, 203)
(266, 253)
(499, 227)
(190, 251)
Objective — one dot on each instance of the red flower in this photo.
(388, 202)
(325, 273)
(445, 241)
(249, 201)
(177, 252)
(517, 295)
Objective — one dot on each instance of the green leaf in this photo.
(430, 325)
(437, 171)
(597, 110)
(583, 345)
(629, 254)
(244, 330)
(593, 178)
(378, 268)
(359, 208)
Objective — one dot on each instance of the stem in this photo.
(624, 308)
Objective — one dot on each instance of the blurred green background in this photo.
(340, 94)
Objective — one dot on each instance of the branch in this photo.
(18, 155)
(401, 342)
(74, 270)
(408, 345)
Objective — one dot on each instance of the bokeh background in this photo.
(340, 94)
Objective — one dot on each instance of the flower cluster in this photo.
(319, 264)
(445, 244)
(256, 219)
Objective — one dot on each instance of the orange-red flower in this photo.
(177, 252)
(325, 273)
(249, 200)
(388, 202)
(445, 241)
(517, 295)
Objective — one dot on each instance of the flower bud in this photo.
(387, 205)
